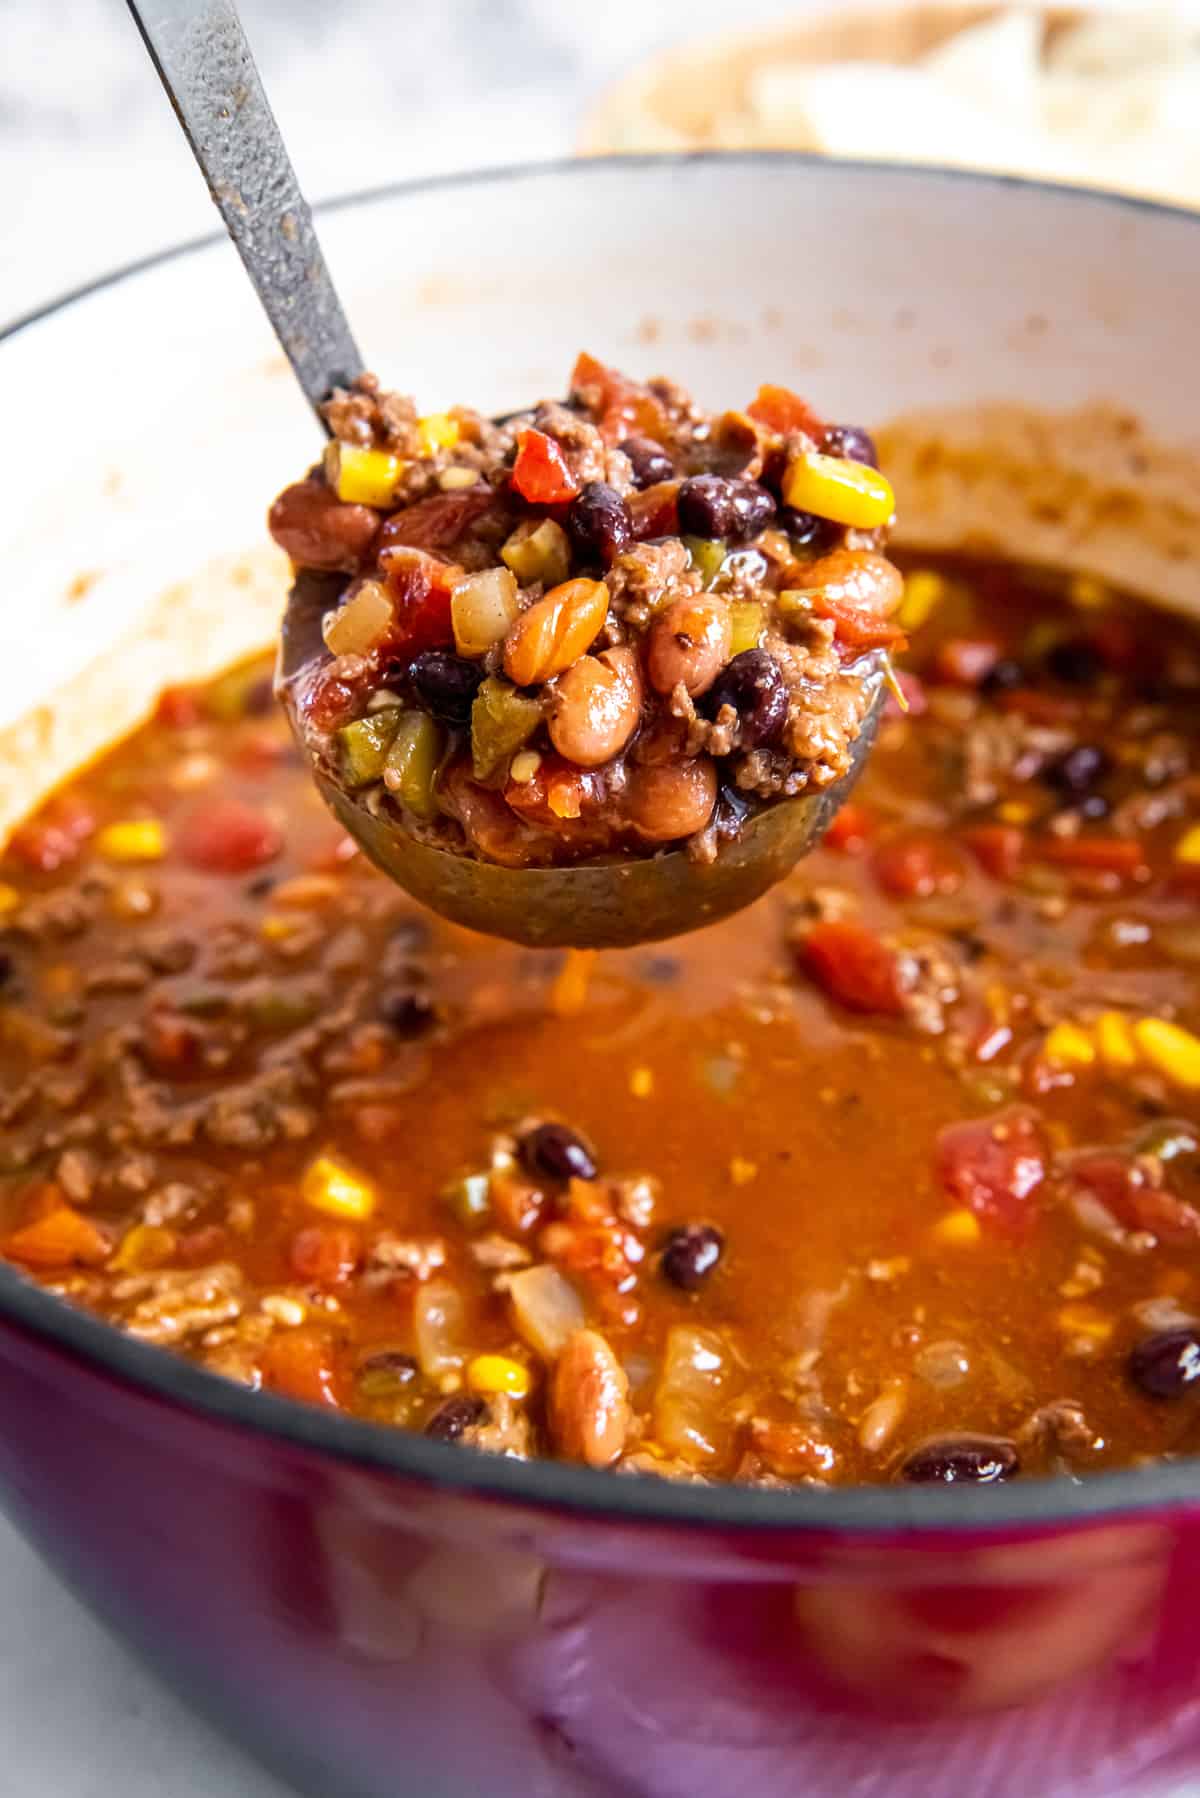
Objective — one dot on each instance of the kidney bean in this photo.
(650, 461)
(753, 685)
(599, 523)
(407, 1012)
(850, 442)
(318, 530)
(713, 505)
(446, 684)
(1167, 1364)
(589, 1401)
(967, 1459)
(691, 1254)
(596, 707)
(558, 1153)
(669, 800)
(689, 643)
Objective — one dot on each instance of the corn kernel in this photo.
(741, 1171)
(1114, 1039)
(1187, 849)
(363, 477)
(456, 478)
(1015, 811)
(497, 1373)
(283, 1308)
(9, 898)
(437, 430)
(1170, 1050)
(958, 1229)
(847, 492)
(641, 1082)
(524, 766)
(330, 1186)
(1081, 1320)
(923, 591)
(1089, 594)
(276, 929)
(1070, 1046)
(136, 840)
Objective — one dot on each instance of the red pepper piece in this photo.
(420, 586)
(298, 1362)
(54, 838)
(1125, 1189)
(621, 407)
(179, 708)
(227, 836)
(1123, 856)
(851, 827)
(998, 848)
(993, 1166)
(852, 966)
(540, 473)
(782, 410)
(858, 629)
(916, 866)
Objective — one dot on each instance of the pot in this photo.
(384, 1616)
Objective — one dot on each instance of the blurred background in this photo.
(94, 173)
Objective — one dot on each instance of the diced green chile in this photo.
(412, 762)
(362, 747)
(502, 720)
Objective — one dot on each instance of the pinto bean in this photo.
(318, 530)
(597, 703)
(589, 1401)
(857, 578)
(689, 643)
(669, 800)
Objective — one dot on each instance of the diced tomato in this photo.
(854, 967)
(437, 522)
(852, 825)
(325, 699)
(179, 708)
(326, 1254)
(965, 661)
(298, 1362)
(782, 410)
(917, 865)
(421, 588)
(913, 689)
(654, 510)
(516, 1203)
(540, 473)
(60, 1238)
(559, 792)
(1124, 1187)
(227, 836)
(993, 1166)
(1123, 856)
(859, 629)
(998, 848)
(623, 407)
(55, 838)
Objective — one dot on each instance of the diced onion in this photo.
(483, 609)
(546, 1309)
(439, 1324)
(691, 1404)
(365, 620)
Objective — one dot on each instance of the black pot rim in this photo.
(896, 1510)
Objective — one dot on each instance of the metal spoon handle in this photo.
(201, 54)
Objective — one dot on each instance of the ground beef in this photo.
(648, 577)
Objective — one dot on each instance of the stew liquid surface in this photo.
(896, 1175)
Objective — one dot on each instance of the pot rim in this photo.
(554, 1485)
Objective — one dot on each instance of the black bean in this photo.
(1003, 676)
(691, 1254)
(714, 505)
(402, 1368)
(1166, 1364)
(1077, 663)
(445, 684)
(558, 1153)
(753, 685)
(8, 967)
(407, 1011)
(851, 443)
(1093, 805)
(807, 531)
(971, 1460)
(1078, 769)
(650, 460)
(455, 1416)
(599, 523)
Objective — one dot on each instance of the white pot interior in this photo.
(156, 417)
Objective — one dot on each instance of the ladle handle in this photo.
(201, 54)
